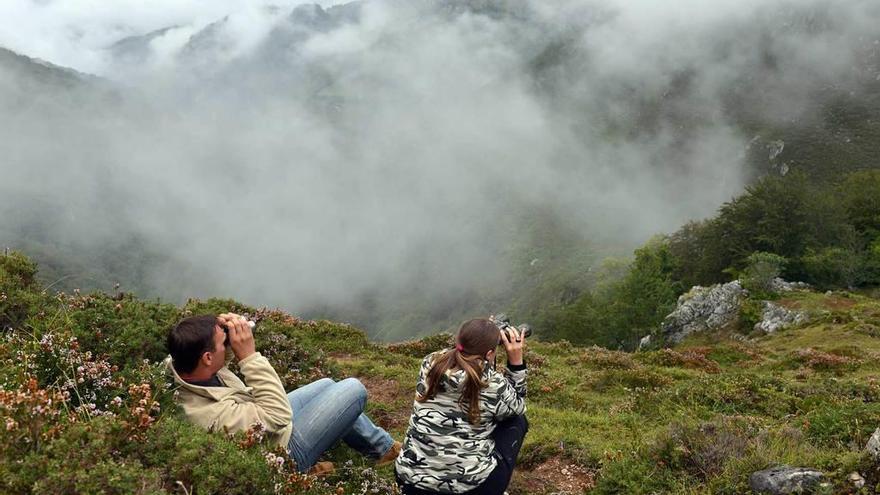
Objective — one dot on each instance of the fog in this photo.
(301, 157)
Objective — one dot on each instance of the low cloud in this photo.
(302, 157)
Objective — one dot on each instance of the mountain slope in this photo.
(698, 418)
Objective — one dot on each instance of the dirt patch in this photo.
(394, 411)
(790, 304)
(837, 303)
(382, 390)
(556, 475)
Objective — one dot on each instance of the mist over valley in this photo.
(404, 165)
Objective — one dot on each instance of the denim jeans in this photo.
(324, 412)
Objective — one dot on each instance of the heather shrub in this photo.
(295, 364)
(733, 353)
(334, 337)
(124, 329)
(600, 358)
(824, 361)
(702, 449)
(635, 378)
(692, 358)
(424, 346)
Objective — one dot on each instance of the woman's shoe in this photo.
(391, 455)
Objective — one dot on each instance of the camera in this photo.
(502, 321)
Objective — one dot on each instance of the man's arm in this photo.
(270, 405)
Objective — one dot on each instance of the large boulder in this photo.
(873, 446)
(776, 317)
(785, 479)
(701, 309)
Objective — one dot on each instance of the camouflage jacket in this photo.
(442, 451)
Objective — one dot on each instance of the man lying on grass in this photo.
(213, 397)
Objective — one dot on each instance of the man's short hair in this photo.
(189, 339)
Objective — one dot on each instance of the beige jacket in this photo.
(236, 407)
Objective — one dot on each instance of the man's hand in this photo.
(513, 342)
(241, 337)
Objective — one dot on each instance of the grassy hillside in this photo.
(86, 409)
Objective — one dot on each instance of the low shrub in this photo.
(824, 361)
(761, 270)
(125, 330)
(733, 353)
(635, 378)
(600, 358)
(295, 364)
(751, 311)
(693, 358)
(702, 449)
(634, 474)
(424, 346)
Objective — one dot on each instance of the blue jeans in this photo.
(324, 412)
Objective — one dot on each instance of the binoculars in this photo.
(226, 330)
(502, 321)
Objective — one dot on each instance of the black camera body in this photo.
(502, 321)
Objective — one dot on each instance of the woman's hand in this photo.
(514, 342)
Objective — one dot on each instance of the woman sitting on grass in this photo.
(468, 423)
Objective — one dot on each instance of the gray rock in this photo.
(644, 342)
(775, 148)
(856, 479)
(780, 285)
(776, 317)
(873, 446)
(785, 479)
(701, 309)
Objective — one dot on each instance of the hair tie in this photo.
(459, 347)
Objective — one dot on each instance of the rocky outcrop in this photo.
(776, 317)
(701, 309)
(780, 285)
(784, 479)
(873, 446)
(711, 308)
